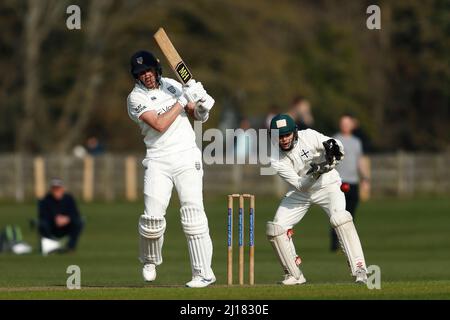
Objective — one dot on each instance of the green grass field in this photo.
(408, 239)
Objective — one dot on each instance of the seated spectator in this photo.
(59, 215)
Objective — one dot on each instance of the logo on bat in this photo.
(183, 72)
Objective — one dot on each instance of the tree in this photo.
(67, 127)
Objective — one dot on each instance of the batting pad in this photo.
(151, 230)
(284, 248)
(342, 223)
(195, 227)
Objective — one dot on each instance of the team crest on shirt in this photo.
(172, 89)
(305, 154)
(197, 165)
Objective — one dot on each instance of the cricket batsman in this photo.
(306, 161)
(161, 106)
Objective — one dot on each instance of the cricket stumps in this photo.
(251, 240)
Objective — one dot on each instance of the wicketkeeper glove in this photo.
(334, 152)
(317, 169)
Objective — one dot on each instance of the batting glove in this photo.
(194, 91)
(182, 100)
(207, 102)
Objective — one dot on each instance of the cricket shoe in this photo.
(149, 272)
(291, 280)
(361, 276)
(200, 282)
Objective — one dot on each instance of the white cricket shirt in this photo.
(179, 136)
(293, 165)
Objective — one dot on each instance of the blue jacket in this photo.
(49, 207)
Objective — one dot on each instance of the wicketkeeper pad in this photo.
(342, 223)
(284, 248)
(151, 230)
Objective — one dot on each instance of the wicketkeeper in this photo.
(160, 106)
(306, 161)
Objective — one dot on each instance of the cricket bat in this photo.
(176, 63)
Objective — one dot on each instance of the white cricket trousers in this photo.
(184, 170)
(295, 204)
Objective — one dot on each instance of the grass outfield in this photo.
(408, 239)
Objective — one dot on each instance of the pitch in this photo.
(408, 239)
